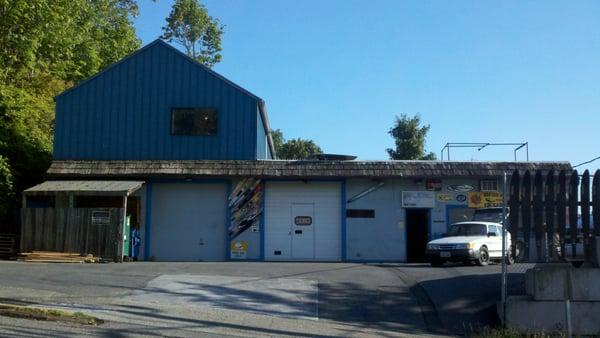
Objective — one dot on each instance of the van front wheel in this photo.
(484, 257)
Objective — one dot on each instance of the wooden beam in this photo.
(121, 232)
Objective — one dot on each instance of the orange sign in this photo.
(484, 199)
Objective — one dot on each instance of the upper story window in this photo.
(489, 185)
(194, 121)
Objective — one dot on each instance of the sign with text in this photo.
(303, 220)
(418, 199)
(433, 184)
(460, 188)
(445, 198)
(239, 250)
(484, 199)
(100, 217)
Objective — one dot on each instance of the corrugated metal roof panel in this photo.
(117, 188)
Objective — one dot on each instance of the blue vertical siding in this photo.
(124, 113)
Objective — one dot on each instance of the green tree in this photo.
(409, 137)
(6, 187)
(63, 39)
(46, 47)
(295, 149)
(278, 140)
(189, 25)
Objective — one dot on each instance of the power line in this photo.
(587, 162)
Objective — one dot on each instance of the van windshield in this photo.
(468, 229)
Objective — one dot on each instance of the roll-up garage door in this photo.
(303, 221)
(188, 222)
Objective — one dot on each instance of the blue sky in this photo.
(338, 72)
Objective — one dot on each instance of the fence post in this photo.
(513, 221)
(585, 214)
(538, 216)
(526, 209)
(550, 207)
(596, 218)
(561, 211)
(573, 185)
(503, 283)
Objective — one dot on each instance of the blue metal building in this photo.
(124, 112)
(212, 190)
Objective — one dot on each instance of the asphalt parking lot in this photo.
(249, 299)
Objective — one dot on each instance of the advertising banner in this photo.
(484, 199)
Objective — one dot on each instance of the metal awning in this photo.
(94, 188)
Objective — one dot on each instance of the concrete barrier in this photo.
(549, 281)
(527, 315)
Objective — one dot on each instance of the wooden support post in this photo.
(121, 232)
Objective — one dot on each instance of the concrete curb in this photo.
(428, 310)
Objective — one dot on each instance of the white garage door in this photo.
(303, 221)
(188, 222)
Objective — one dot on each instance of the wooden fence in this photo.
(546, 205)
(71, 230)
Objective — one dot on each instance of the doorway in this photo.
(417, 234)
(303, 236)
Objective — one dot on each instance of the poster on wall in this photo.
(445, 198)
(460, 188)
(461, 198)
(245, 206)
(433, 184)
(484, 199)
(418, 199)
(239, 250)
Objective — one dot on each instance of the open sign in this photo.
(303, 220)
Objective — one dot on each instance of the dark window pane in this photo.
(194, 121)
(360, 213)
(40, 202)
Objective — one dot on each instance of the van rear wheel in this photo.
(509, 259)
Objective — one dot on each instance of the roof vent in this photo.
(331, 157)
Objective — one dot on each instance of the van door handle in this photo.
(298, 231)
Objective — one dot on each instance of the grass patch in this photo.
(35, 313)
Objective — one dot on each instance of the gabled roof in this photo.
(160, 43)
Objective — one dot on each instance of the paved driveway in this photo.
(257, 299)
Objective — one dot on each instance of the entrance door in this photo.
(417, 234)
(302, 231)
